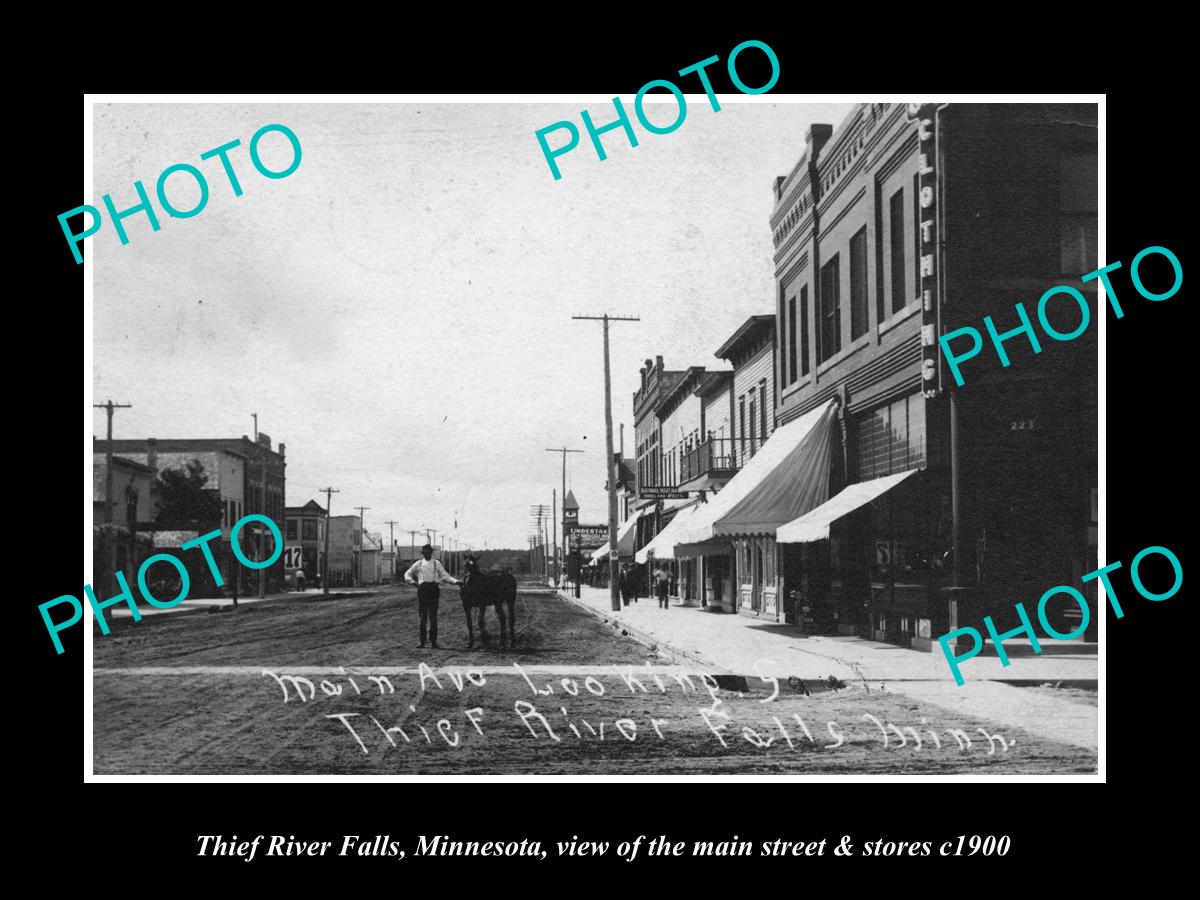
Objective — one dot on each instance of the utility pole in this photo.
(109, 406)
(412, 536)
(563, 559)
(362, 535)
(391, 524)
(614, 576)
(262, 573)
(539, 513)
(329, 492)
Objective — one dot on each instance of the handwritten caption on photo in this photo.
(552, 722)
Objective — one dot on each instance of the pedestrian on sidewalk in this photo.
(626, 583)
(427, 574)
(662, 583)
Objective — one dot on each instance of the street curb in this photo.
(652, 643)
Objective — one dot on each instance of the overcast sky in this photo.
(398, 310)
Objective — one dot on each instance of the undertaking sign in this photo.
(588, 537)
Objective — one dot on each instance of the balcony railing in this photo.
(716, 457)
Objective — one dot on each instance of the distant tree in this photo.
(181, 496)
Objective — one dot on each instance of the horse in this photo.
(479, 590)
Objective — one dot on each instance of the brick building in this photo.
(247, 475)
(901, 224)
(304, 527)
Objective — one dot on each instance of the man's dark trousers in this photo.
(427, 605)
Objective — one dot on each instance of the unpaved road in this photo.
(207, 694)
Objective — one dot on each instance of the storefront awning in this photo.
(625, 536)
(785, 479)
(716, 547)
(662, 545)
(814, 525)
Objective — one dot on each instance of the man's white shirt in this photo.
(424, 571)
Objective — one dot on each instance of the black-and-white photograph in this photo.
(496, 437)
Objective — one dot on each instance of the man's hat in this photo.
(427, 547)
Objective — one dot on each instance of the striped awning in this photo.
(662, 545)
(785, 479)
(814, 524)
(625, 536)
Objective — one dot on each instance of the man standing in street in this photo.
(427, 574)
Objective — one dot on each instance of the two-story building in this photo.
(345, 541)
(304, 527)
(116, 545)
(736, 418)
(904, 223)
(247, 475)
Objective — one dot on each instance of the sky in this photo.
(398, 310)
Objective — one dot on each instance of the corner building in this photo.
(946, 503)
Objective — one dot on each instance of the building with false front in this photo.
(735, 415)
(117, 545)
(247, 475)
(345, 541)
(944, 502)
(304, 528)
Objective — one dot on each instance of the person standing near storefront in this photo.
(626, 584)
(662, 584)
(427, 574)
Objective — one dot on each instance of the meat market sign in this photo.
(924, 113)
(660, 492)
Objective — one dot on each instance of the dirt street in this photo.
(325, 687)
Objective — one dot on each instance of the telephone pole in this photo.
(539, 513)
(391, 524)
(563, 559)
(108, 406)
(614, 576)
(328, 492)
(361, 542)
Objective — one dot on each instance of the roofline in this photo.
(680, 385)
(743, 331)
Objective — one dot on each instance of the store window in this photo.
(1078, 198)
(804, 330)
(831, 310)
(791, 343)
(891, 438)
(896, 242)
(763, 431)
(753, 425)
(859, 315)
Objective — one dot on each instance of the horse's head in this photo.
(470, 568)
